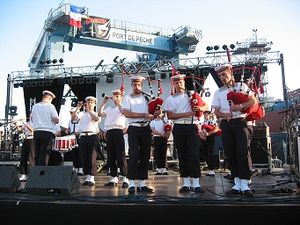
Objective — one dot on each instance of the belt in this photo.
(139, 124)
(186, 122)
(87, 134)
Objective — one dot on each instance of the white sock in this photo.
(125, 180)
(131, 183)
(195, 182)
(160, 170)
(88, 178)
(163, 170)
(187, 181)
(244, 185)
(92, 179)
(114, 180)
(142, 183)
(80, 170)
(237, 184)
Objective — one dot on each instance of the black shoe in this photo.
(125, 185)
(165, 173)
(228, 177)
(158, 173)
(91, 184)
(198, 190)
(233, 192)
(85, 183)
(247, 193)
(210, 175)
(80, 174)
(110, 184)
(131, 190)
(184, 189)
(144, 189)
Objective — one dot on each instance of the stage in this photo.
(276, 200)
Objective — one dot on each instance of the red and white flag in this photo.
(75, 16)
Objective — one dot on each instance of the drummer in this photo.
(88, 128)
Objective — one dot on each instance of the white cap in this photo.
(117, 92)
(136, 78)
(91, 98)
(178, 77)
(223, 67)
(46, 92)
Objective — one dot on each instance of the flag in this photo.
(75, 16)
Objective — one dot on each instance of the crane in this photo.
(60, 28)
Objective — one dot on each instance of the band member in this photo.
(235, 134)
(77, 155)
(44, 118)
(185, 134)
(135, 108)
(88, 128)
(27, 152)
(160, 140)
(115, 127)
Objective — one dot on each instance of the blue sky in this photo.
(222, 22)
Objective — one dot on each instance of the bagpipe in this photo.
(156, 102)
(196, 100)
(241, 95)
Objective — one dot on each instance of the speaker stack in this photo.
(52, 179)
(261, 150)
(9, 180)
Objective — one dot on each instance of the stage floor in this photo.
(276, 197)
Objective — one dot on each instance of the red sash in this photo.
(196, 100)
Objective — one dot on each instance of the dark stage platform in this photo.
(276, 200)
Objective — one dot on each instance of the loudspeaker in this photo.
(261, 152)
(52, 179)
(9, 180)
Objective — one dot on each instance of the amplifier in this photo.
(261, 152)
(261, 130)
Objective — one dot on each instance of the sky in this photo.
(221, 22)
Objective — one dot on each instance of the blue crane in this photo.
(60, 28)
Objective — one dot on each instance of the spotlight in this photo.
(54, 61)
(80, 81)
(163, 75)
(48, 61)
(115, 59)
(232, 46)
(74, 102)
(109, 78)
(225, 47)
(70, 47)
(63, 101)
(151, 74)
(61, 60)
(12, 110)
(216, 47)
(99, 64)
(209, 48)
(207, 94)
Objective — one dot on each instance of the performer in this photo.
(185, 134)
(235, 134)
(27, 152)
(88, 128)
(135, 108)
(115, 127)
(44, 118)
(160, 139)
(77, 155)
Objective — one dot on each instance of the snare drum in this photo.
(65, 143)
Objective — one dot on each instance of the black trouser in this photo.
(210, 156)
(235, 136)
(160, 151)
(43, 143)
(116, 157)
(87, 145)
(186, 141)
(27, 156)
(139, 141)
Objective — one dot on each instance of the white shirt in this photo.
(42, 114)
(114, 119)
(220, 99)
(158, 125)
(135, 104)
(86, 124)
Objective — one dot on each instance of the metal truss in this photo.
(211, 60)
